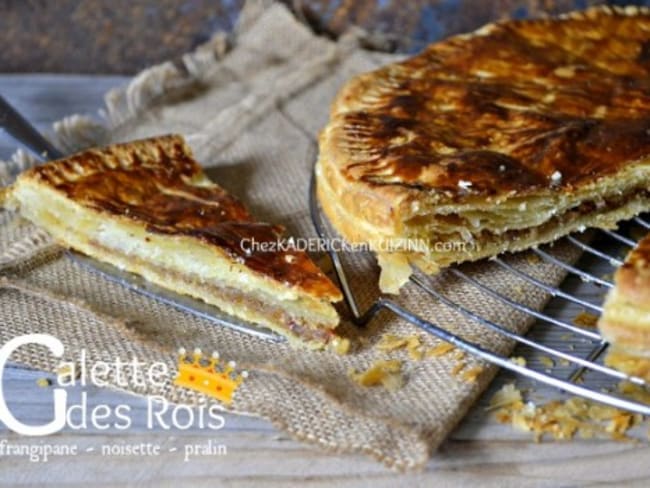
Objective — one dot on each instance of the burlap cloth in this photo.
(251, 108)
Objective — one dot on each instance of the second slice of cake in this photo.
(625, 321)
(147, 207)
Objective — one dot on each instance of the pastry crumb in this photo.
(340, 345)
(391, 342)
(386, 373)
(440, 350)
(470, 375)
(533, 258)
(412, 344)
(414, 348)
(585, 319)
(520, 361)
(507, 395)
(44, 382)
(547, 362)
(458, 367)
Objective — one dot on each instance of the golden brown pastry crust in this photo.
(153, 182)
(519, 112)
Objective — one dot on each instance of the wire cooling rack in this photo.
(586, 375)
(600, 255)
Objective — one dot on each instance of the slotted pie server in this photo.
(585, 361)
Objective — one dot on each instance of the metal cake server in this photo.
(25, 133)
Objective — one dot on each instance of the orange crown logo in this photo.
(208, 376)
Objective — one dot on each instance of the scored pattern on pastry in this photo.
(498, 140)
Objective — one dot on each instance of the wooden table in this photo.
(480, 452)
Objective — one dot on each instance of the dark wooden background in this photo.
(124, 36)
